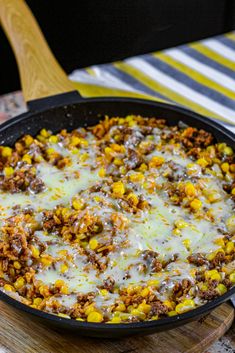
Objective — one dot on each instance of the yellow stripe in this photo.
(196, 75)
(230, 35)
(147, 81)
(213, 55)
(90, 71)
(89, 90)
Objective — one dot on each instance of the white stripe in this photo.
(204, 69)
(83, 77)
(181, 89)
(220, 48)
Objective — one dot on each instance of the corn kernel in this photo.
(153, 282)
(46, 261)
(121, 307)
(219, 241)
(64, 289)
(64, 316)
(19, 283)
(143, 167)
(77, 204)
(90, 308)
(144, 292)
(79, 319)
(213, 275)
(136, 177)
(50, 151)
(108, 151)
(118, 162)
(232, 277)
(180, 223)
(169, 304)
(144, 308)
(230, 223)
(37, 301)
(202, 162)
(233, 191)
(221, 289)
(196, 204)
(27, 158)
(232, 168)
(139, 314)
(8, 171)
(133, 199)
(6, 151)
(28, 140)
(229, 248)
(53, 139)
(35, 252)
(102, 173)
(186, 243)
(104, 292)
(9, 288)
(156, 161)
(95, 316)
(44, 133)
(172, 313)
(186, 305)
(190, 190)
(64, 268)
(93, 244)
(228, 151)
(75, 140)
(59, 283)
(17, 265)
(118, 188)
(225, 167)
(115, 320)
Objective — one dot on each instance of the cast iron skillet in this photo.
(41, 76)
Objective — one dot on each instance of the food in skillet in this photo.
(129, 220)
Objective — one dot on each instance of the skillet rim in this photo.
(168, 322)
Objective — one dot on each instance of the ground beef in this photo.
(197, 259)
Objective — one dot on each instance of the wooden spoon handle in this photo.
(40, 73)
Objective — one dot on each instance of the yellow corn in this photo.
(6, 151)
(136, 177)
(8, 171)
(202, 162)
(156, 161)
(19, 283)
(172, 313)
(225, 167)
(44, 133)
(28, 140)
(133, 199)
(186, 305)
(63, 268)
(35, 252)
(115, 320)
(229, 248)
(121, 307)
(9, 288)
(190, 189)
(27, 158)
(77, 204)
(232, 277)
(139, 314)
(53, 139)
(144, 308)
(213, 275)
(228, 151)
(95, 316)
(118, 188)
(102, 172)
(144, 292)
(90, 308)
(93, 244)
(196, 204)
(37, 301)
(221, 289)
(17, 265)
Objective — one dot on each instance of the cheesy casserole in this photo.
(125, 221)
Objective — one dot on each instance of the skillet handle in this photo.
(40, 73)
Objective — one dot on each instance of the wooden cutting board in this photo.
(19, 334)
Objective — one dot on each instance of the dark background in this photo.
(85, 32)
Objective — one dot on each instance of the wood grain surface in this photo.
(19, 334)
(40, 73)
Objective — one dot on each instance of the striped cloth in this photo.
(199, 76)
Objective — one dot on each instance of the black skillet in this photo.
(53, 104)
